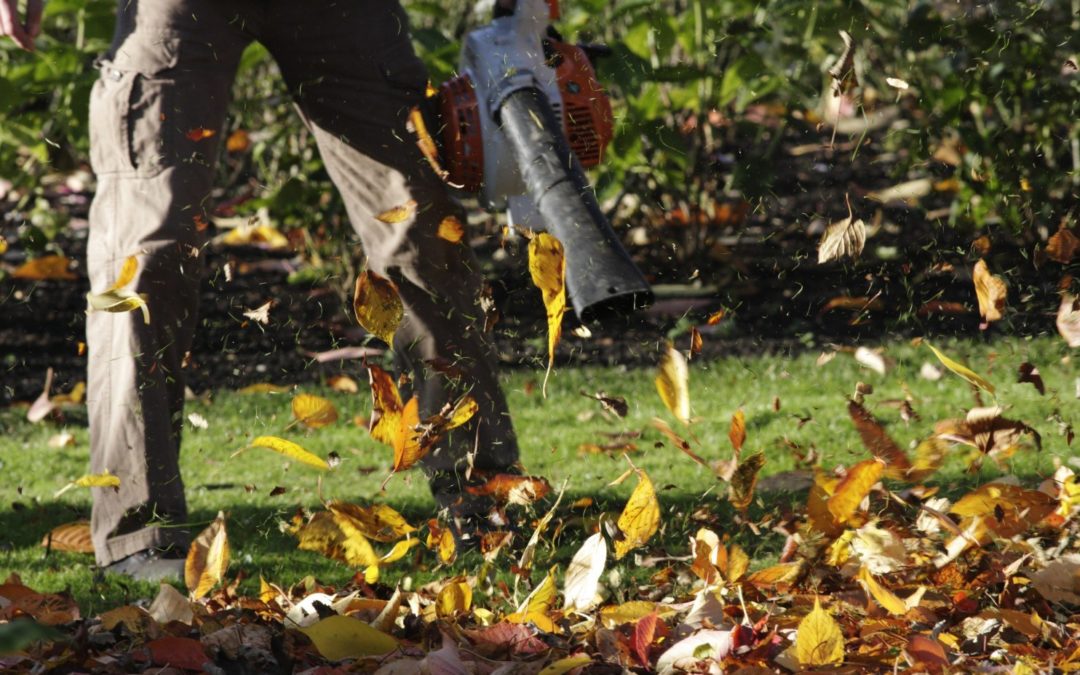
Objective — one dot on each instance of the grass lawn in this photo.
(811, 414)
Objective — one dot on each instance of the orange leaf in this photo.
(407, 448)
(991, 292)
(695, 341)
(716, 317)
(512, 489)
(451, 229)
(200, 134)
(72, 537)
(386, 405)
(1062, 247)
(644, 633)
(1005, 509)
(737, 430)
(743, 481)
(853, 488)
(238, 141)
(378, 306)
(45, 268)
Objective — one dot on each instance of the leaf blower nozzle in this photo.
(601, 279)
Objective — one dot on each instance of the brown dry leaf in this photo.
(844, 238)
(1068, 319)
(819, 641)
(313, 411)
(451, 230)
(398, 214)
(547, 265)
(743, 481)
(207, 559)
(695, 341)
(737, 431)
(991, 292)
(1030, 374)
(640, 518)
(878, 442)
(1059, 581)
(386, 405)
(679, 441)
(853, 488)
(672, 383)
(378, 306)
(238, 141)
(616, 405)
(73, 537)
(508, 488)
(45, 268)
(1063, 245)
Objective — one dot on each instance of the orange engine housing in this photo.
(586, 115)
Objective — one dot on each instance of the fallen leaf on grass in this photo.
(343, 637)
(378, 306)
(547, 266)
(313, 411)
(688, 654)
(819, 641)
(536, 606)
(1059, 581)
(640, 518)
(207, 559)
(991, 292)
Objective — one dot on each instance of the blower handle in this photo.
(601, 279)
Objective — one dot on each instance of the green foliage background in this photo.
(991, 76)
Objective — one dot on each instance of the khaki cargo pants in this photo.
(354, 76)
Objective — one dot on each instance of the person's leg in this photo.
(167, 75)
(355, 76)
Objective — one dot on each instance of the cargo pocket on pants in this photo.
(126, 116)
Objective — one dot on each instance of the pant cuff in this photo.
(119, 547)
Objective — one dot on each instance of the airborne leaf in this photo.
(743, 481)
(207, 558)
(1068, 319)
(451, 230)
(583, 575)
(878, 442)
(640, 518)
(313, 411)
(962, 370)
(398, 214)
(990, 291)
(378, 306)
(843, 239)
(290, 450)
(853, 488)
(672, 383)
(737, 431)
(547, 265)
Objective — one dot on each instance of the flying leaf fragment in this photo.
(640, 518)
(386, 405)
(377, 305)
(313, 411)
(43, 404)
(883, 596)
(844, 238)
(398, 214)
(199, 134)
(451, 230)
(991, 292)
(290, 450)
(853, 488)
(1063, 245)
(260, 314)
(871, 359)
(1068, 319)
(582, 580)
(127, 273)
(343, 384)
(716, 317)
(744, 480)
(547, 266)
(897, 83)
(406, 440)
(92, 480)
(207, 558)
(1007, 510)
(672, 383)
(508, 488)
(695, 341)
(842, 71)
(878, 442)
(962, 370)
(1030, 374)
(737, 431)
(238, 141)
(819, 641)
(117, 298)
(198, 421)
(46, 268)
(616, 405)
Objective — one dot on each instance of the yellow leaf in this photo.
(884, 597)
(263, 234)
(961, 370)
(207, 558)
(313, 411)
(631, 612)
(547, 265)
(854, 487)
(343, 637)
(378, 306)
(451, 229)
(267, 593)
(105, 479)
(378, 522)
(127, 273)
(45, 268)
(672, 383)
(1007, 510)
(398, 214)
(737, 430)
(386, 403)
(344, 384)
(119, 301)
(290, 450)
(455, 598)
(783, 573)
(743, 481)
(818, 514)
(990, 291)
(640, 519)
(407, 448)
(566, 664)
(819, 641)
(929, 455)
(534, 609)
(263, 388)
(464, 410)
(447, 547)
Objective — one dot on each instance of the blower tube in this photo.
(601, 279)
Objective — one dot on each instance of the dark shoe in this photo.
(150, 565)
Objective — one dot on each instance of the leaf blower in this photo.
(516, 127)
